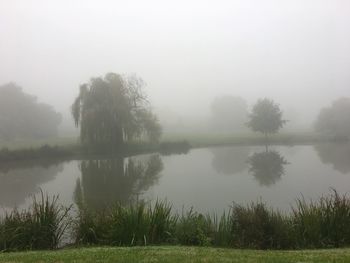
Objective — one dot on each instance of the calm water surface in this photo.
(208, 179)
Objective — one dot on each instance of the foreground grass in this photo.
(177, 254)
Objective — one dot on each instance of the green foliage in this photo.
(112, 110)
(44, 152)
(21, 116)
(219, 229)
(193, 229)
(91, 227)
(40, 227)
(325, 223)
(334, 121)
(256, 226)
(266, 117)
(321, 224)
(134, 224)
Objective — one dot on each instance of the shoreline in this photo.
(180, 144)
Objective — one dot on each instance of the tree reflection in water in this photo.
(104, 182)
(336, 154)
(267, 167)
(19, 180)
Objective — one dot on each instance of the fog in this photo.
(188, 52)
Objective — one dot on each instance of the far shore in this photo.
(176, 143)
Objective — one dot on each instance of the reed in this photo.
(311, 224)
(259, 227)
(322, 223)
(193, 229)
(42, 226)
(135, 224)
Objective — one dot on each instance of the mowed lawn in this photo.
(177, 254)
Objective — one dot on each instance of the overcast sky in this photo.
(294, 51)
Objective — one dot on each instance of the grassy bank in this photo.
(212, 139)
(70, 148)
(324, 223)
(194, 139)
(76, 151)
(61, 142)
(177, 254)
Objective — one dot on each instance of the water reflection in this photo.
(230, 160)
(121, 179)
(22, 179)
(267, 167)
(336, 154)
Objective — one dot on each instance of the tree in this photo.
(114, 110)
(22, 116)
(104, 182)
(267, 167)
(336, 154)
(334, 121)
(229, 113)
(266, 117)
(18, 180)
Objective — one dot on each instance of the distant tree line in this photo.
(113, 110)
(335, 120)
(22, 116)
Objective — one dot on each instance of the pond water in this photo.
(207, 179)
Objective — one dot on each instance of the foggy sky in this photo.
(294, 51)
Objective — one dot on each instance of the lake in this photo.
(207, 179)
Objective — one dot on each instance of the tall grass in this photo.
(324, 223)
(221, 228)
(321, 224)
(136, 224)
(40, 227)
(193, 229)
(311, 224)
(256, 226)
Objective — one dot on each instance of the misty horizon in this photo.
(188, 52)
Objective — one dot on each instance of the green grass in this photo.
(324, 223)
(178, 254)
(249, 138)
(171, 143)
(136, 224)
(195, 139)
(31, 143)
(40, 227)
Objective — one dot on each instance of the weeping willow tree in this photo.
(113, 110)
(124, 180)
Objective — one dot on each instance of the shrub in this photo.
(193, 229)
